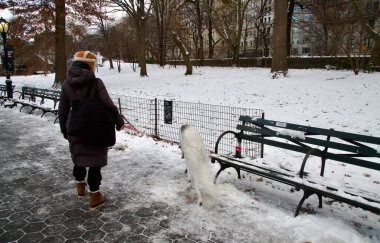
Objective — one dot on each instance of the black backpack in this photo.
(91, 120)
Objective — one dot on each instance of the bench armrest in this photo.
(220, 138)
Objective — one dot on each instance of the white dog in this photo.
(197, 163)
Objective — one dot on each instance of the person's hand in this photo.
(119, 128)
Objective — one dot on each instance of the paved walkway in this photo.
(37, 201)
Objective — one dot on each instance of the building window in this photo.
(307, 17)
(368, 42)
(351, 12)
(352, 43)
(297, 9)
(306, 50)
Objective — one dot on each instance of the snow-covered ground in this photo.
(257, 210)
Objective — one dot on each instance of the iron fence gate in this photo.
(154, 118)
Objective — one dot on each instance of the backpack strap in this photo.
(92, 90)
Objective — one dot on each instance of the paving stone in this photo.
(109, 208)
(11, 236)
(56, 219)
(151, 230)
(5, 213)
(54, 230)
(148, 221)
(129, 219)
(165, 223)
(89, 215)
(20, 215)
(54, 238)
(79, 240)
(74, 222)
(159, 239)
(93, 223)
(134, 229)
(183, 241)
(4, 222)
(73, 204)
(112, 227)
(34, 227)
(144, 212)
(18, 224)
(116, 237)
(74, 213)
(159, 205)
(71, 233)
(31, 237)
(94, 235)
(138, 239)
(23, 206)
(110, 217)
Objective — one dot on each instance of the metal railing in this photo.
(150, 116)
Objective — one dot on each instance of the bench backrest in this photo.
(32, 93)
(346, 147)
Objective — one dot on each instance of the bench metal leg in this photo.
(217, 173)
(306, 194)
(31, 111)
(223, 167)
(45, 111)
(320, 200)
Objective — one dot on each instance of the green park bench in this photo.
(328, 144)
(3, 93)
(45, 100)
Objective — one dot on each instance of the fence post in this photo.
(262, 145)
(155, 118)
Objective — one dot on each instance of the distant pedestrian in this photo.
(94, 157)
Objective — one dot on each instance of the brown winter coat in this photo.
(75, 87)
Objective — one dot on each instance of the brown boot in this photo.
(81, 189)
(97, 200)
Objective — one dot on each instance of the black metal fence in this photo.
(163, 119)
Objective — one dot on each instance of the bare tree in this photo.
(279, 57)
(262, 26)
(138, 10)
(103, 23)
(227, 18)
(368, 24)
(183, 48)
(162, 13)
(60, 42)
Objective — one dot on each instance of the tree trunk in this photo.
(60, 43)
(199, 30)
(185, 53)
(279, 57)
(375, 54)
(289, 26)
(111, 63)
(141, 38)
(210, 40)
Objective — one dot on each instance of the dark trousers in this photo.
(94, 176)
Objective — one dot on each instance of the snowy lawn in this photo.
(258, 210)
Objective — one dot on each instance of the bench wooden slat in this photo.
(312, 130)
(341, 158)
(364, 151)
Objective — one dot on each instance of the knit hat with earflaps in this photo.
(87, 57)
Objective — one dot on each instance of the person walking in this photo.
(80, 77)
